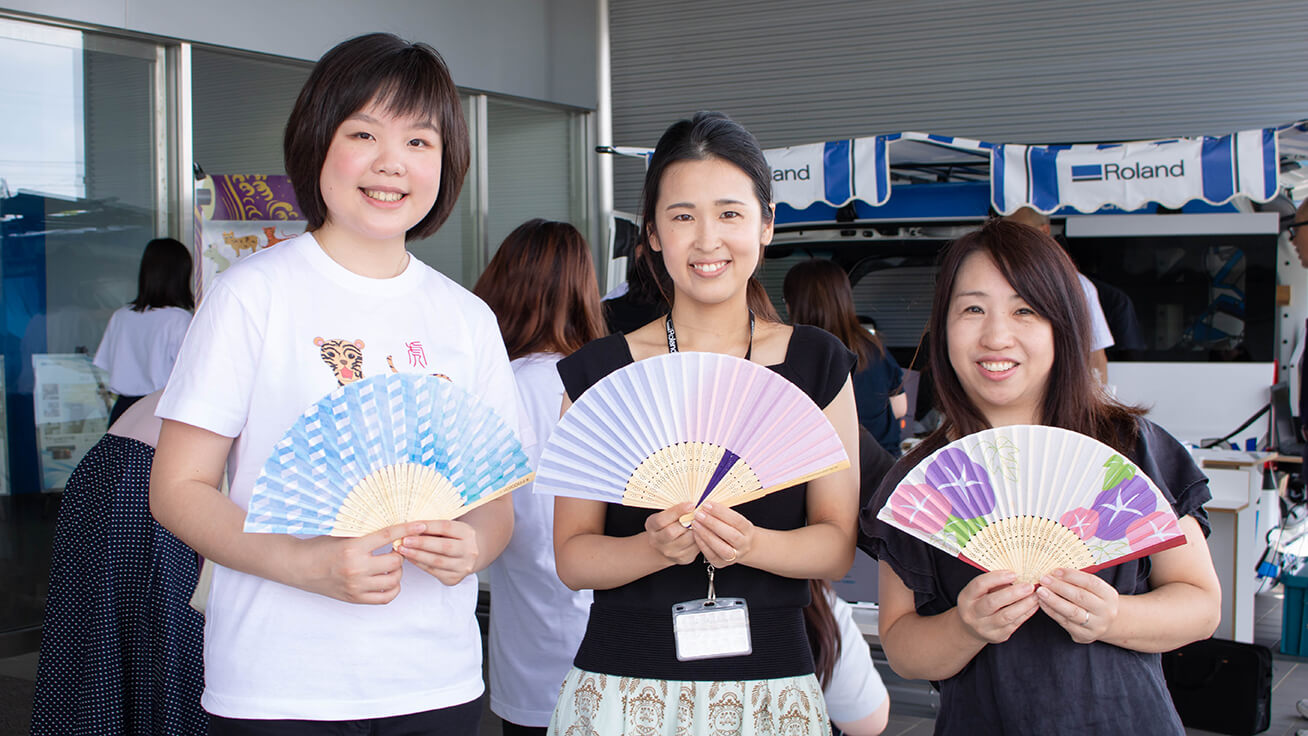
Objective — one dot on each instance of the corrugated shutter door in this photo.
(1008, 71)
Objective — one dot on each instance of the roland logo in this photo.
(1127, 172)
(1139, 171)
(801, 174)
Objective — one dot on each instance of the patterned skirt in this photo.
(608, 705)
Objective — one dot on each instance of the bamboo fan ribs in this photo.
(688, 427)
(1032, 499)
(383, 451)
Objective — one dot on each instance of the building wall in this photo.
(1003, 70)
(537, 49)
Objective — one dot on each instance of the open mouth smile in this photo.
(383, 196)
(708, 269)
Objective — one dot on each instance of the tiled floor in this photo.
(1289, 683)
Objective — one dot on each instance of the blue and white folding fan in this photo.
(383, 451)
(688, 427)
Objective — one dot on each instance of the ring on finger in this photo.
(1086, 622)
(733, 556)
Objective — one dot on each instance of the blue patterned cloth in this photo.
(121, 648)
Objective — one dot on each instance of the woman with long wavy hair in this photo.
(1079, 652)
(541, 285)
(817, 292)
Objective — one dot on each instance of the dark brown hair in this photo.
(706, 136)
(408, 80)
(1043, 275)
(164, 279)
(541, 285)
(823, 631)
(817, 293)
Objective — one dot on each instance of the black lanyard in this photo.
(672, 334)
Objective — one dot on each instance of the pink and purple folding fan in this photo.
(1032, 499)
(688, 427)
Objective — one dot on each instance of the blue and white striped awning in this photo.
(1048, 178)
(1131, 175)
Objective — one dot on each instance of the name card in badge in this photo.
(711, 627)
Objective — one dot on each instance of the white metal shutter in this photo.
(1004, 71)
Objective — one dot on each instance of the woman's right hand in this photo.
(346, 568)
(994, 605)
(669, 538)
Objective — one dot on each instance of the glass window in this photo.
(83, 182)
(531, 166)
(239, 107)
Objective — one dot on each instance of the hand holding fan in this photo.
(1032, 499)
(688, 427)
(383, 451)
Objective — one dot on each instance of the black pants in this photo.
(457, 720)
(120, 406)
(513, 729)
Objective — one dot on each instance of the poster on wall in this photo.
(72, 413)
(240, 214)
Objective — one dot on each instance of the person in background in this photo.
(375, 634)
(121, 646)
(817, 293)
(1011, 338)
(640, 299)
(141, 342)
(856, 697)
(541, 285)
(1101, 337)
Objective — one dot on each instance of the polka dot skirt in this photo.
(121, 648)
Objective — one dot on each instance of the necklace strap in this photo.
(672, 334)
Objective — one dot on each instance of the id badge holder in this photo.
(711, 627)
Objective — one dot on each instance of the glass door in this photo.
(83, 186)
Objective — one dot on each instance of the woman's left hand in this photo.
(1083, 604)
(447, 551)
(723, 535)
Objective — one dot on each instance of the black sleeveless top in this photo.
(630, 629)
(1040, 681)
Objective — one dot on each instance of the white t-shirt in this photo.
(139, 348)
(856, 689)
(1100, 336)
(536, 622)
(275, 333)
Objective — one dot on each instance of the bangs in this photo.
(411, 88)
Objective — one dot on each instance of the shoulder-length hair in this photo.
(165, 277)
(1043, 275)
(705, 136)
(817, 292)
(541, 285)
(407, 80)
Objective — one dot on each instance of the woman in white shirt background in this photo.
(141, 342)
(541, 285)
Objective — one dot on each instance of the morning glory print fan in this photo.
(383, 451)
(688, 426)
(1031, 499)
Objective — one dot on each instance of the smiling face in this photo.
(381, 175)
(710, 228)
(1001, 350)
